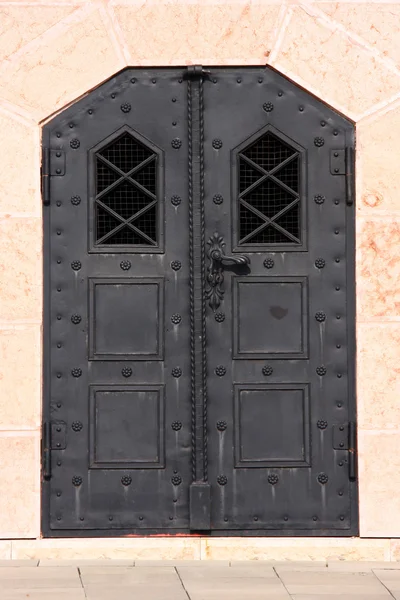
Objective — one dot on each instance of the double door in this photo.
(199, 318)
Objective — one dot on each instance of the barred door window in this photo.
(126, 194)
(268, 186)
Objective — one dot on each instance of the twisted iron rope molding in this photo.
(203, 296)
(191, 280)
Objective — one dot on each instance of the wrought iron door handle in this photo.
(215, 276)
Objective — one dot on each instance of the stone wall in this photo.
(346, 53)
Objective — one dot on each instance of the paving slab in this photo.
(383, 596)
(228, 572)
(45, 594)
(28, 562)
(181, 563)
(355, 591)
(327, 577)
(304, 564)
(135, 592)
(28, 577)
(96, 562)
(360, 566)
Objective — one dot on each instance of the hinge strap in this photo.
(46, 449)
(45, 176)
(349, 176)
(352, 451)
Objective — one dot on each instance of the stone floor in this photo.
(197, 580)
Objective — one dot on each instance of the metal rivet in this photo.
(341, 444)
(339, 405)
(337, 260)
(175, 471)
(301, 108)
(171, 518)
(173, 99)
(174, 500)
(59, 406)
(59, 261)
(58, 377)
(315, 518)
(58, 494)
(285, 518)
(140, 518)
(58, 135)
(58, 154)
(90, 111)
(58, 317)
(340, 463)
(58, 289)
(225, 518)
(58, 429)
(58, 445)
(280, 93)
(337, 288)
(153, 80)
(336, 231)
(58, 171)
(58, 518)
(260, 80)
(112, 95)
(71, 125)
(82, 518)
(336, 154)
(174, 123)
(239, 80)
(340, 493)
(59, 345)
(335, 132)
(214, 81)
(133, 80)
(59, 463)
(58, 203)
(338, 345)
(110, 518)
(336, 201)
(255, 518)
(341, 428)
(323, 123)
(336, 170)
(180, 80)
(338, 317)
(58, 231)
(341, 517)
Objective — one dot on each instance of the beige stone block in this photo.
(378, 375)
(378, 268)
(5, 550)
(297, 549)
(379, 483)
(20, 269)
(378, 146)
(20, 25)
(339, 70)
(377, 24)
(18, 563)
(197, 32)
(19, 485)
(62, 66)
(180, 563)
(18, 194)
(395, 552)
(44, 562)
(119, 548)
(20, 399)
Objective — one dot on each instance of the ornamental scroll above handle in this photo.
(215, 276)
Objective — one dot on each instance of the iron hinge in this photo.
(344, 438)
(53, 165)
(195, 72)
(54, 437)
(342, 163)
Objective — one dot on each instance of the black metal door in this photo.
(198, 371)
(279, 308)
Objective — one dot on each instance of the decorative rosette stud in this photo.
(222, 425)
(126, 107)
(77, 480)
(126, 480)
(217, 144)
(222, 479)
(176, 480)
(176, 200)
(76, 265)
(268, 106)
(320, 316)
(273, 478)
(319, 141)
(322, 424)
(320, 263)
(321, 371)
(176, 143)
(218, 199)
(323, 478)
(220, 371)
(76, 319)
(319, 199)
(176, 319)
(176, 372)
(75, 143)
(126, 372)
(176, 425)
(76, 372)
(125, 265)
(176, 265)
(267, 371)
(219, 317)
(75, 200)
(76, 426)
(269, 263)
